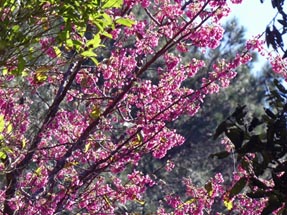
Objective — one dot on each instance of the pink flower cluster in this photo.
(76, 140)
(47, 46)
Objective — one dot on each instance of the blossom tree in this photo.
(79, 109)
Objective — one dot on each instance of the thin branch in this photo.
(152, 17)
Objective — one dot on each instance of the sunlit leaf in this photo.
(3, 155)
(87, 147)
(88, 53)
(125, 22)
(94, 59)
(72, 163)
(38, 171)
(69, 43)
(139, 137)
(108, 19)
(141, 202)
(2, 123)
(5, 71)
(106, 34)
(57, 51)
(15, 28)
(40, 77)
(190, 201)
(96, 112)
(112, 4)
(228, 204)
(94, 43)
(24, 143)
(7, 149)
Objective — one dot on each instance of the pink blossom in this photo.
(84, 131)
(169, 166)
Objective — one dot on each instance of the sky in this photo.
(254, 16)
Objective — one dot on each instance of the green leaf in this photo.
(238, 187)
(108, 20)
(88, 54)
(257, 194)
(106, 34)
(87, 147)
(125, 22)
(273, 204)
(208, 188)
(41, 75)
(94, 59)
(3, 155)
(69, 43)
(112, 4)
(236, 135)
(100, 25)
(5, 71)
(58, 51)
(74, 44)
(95, 42)
(24, 143)
(2, 123)
(258, 183)
(253, 145)
(38, 171)
(21, 66)
(254, 123)
(220, 129)
(6, 149)
(16, 28)
(239, 114)
(95, 113)
(228, 204)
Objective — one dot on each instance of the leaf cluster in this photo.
(261, 148)
(25, 23)
(273, 35)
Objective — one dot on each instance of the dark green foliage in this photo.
(237, 188)
(236, 135)
(268, 146)
(273, 204)
(274, 35)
